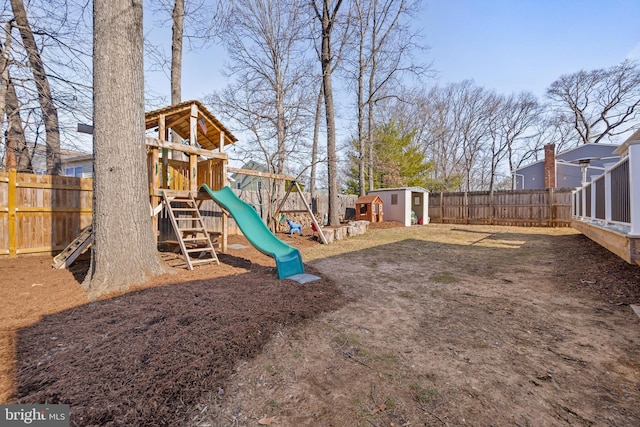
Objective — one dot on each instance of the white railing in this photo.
(612, 200)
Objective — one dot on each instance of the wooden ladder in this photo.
(188, 228)
(65, 258)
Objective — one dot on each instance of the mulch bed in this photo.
(146, 357)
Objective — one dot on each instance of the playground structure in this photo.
(181, 175)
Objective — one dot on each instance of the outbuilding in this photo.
(407, 205)
(369, 208)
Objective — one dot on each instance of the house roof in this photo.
(572, 155)
(624, 147)
(369, 199)
(177, 118)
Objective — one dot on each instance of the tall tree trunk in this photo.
(15, 132)
(49, 111)
(4, 67)
(327, 19)
(314, 147)
(370, 102)
(278, 187)
(176, 51)
(124, 250)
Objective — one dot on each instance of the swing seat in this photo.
(294, 226)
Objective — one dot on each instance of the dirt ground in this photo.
(421, 326)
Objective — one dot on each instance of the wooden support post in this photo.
(277, 211)
(313, 218)
(193, 158)
(13, 221)
(223, 183)
(162, 135)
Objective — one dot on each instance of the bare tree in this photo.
(124, 250)
(314, 144)
(383, 45)
(49, 110)
(194, 22)
(327, 15)
(515, 115)
(600, 104)
(176, 51)
(267, 42)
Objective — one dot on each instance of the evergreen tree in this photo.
(398, 160)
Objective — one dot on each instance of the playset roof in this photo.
(177, 118)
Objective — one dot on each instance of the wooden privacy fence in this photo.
(41, 213)
(527, 208)
(44, 213)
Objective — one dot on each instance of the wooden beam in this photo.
(152, 142)
(177, 121)
(193, 158)
(261, 174)
(313, 217)
(162, 135)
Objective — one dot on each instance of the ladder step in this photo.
(199, 250)
(202, 230)
(194, 239)
(185, 209)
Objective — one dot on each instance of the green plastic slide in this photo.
(288, 258)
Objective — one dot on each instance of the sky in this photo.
(524, 45)
(505, 45)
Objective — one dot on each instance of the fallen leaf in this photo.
(266, 421)
(379, 408)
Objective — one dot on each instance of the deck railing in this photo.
(606, 200)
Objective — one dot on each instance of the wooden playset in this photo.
(176, 173)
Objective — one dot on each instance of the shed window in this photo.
(363, 209)
(394, 199)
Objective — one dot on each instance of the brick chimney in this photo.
(550, 166)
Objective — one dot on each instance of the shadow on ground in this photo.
(146, 357)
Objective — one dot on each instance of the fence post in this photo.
(550, 216)
(607, 196)
(13, 222)
(441, 207)
(465, 208)
(491, 204)
(634, 188)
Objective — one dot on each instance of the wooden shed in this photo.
(369, 208)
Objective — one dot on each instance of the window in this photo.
(394, 199)
(416, 201)
(75, 171)
(363, 209)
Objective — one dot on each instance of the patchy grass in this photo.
(422, 394)
(444, 278)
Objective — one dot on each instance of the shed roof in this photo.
(413, 189)
(177, 118)
(369, 199)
